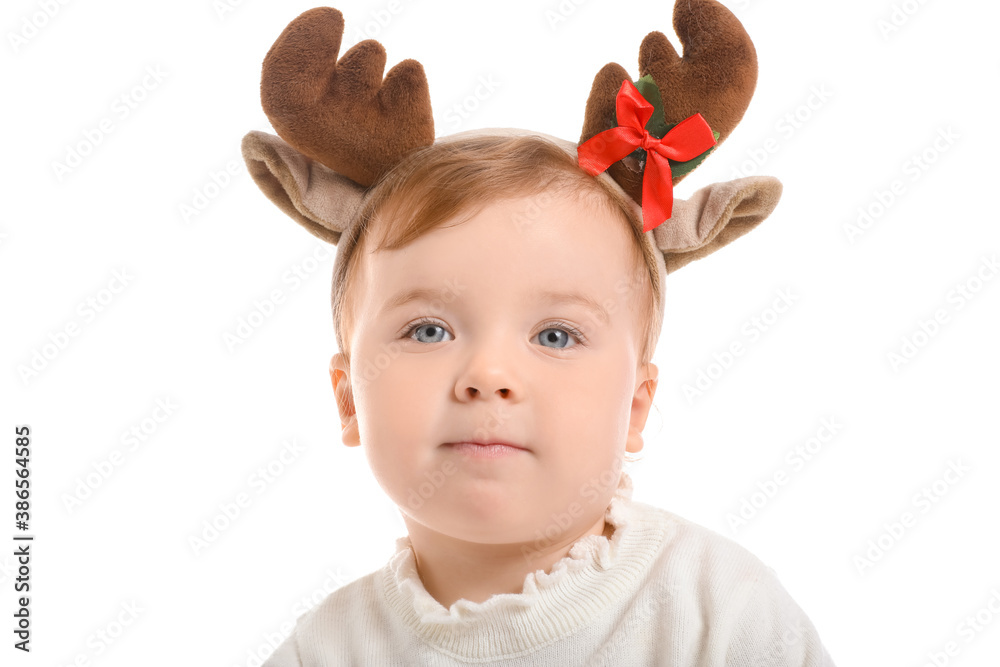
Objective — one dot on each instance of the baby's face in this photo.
(490, 353)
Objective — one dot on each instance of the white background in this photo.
(323, 520)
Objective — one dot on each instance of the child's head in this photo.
(485, 224)
(493, 224)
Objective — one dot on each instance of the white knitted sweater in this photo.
(660, 591)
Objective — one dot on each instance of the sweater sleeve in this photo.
(773, 631)
(286, 655)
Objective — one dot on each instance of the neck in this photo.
(452, 569)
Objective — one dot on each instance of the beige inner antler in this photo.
(321, 200)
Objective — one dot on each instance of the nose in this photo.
(486, 375)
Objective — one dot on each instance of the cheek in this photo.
(590, 406)
(394, 403)
(393, 424)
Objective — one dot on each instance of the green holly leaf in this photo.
(657, 124)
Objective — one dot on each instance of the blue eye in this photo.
(555, 332)
(427, 325)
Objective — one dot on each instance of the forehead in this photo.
(564, 243)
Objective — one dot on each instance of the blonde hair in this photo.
(437, 183)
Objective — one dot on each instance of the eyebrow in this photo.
(545, 296)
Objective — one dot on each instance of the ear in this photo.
(715, 216)
(642, 400)
(340, 376)
(315, 196)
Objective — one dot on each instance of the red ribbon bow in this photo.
(685, 141)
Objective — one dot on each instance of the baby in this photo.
(498, 296)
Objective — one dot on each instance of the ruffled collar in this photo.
(597, 572)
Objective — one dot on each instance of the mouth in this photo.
(488, 450)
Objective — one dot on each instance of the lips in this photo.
(496, 450)
(482, 443)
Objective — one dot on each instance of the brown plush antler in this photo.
(341, 114)
(716, 77)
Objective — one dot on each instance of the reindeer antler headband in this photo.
(342, 127)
